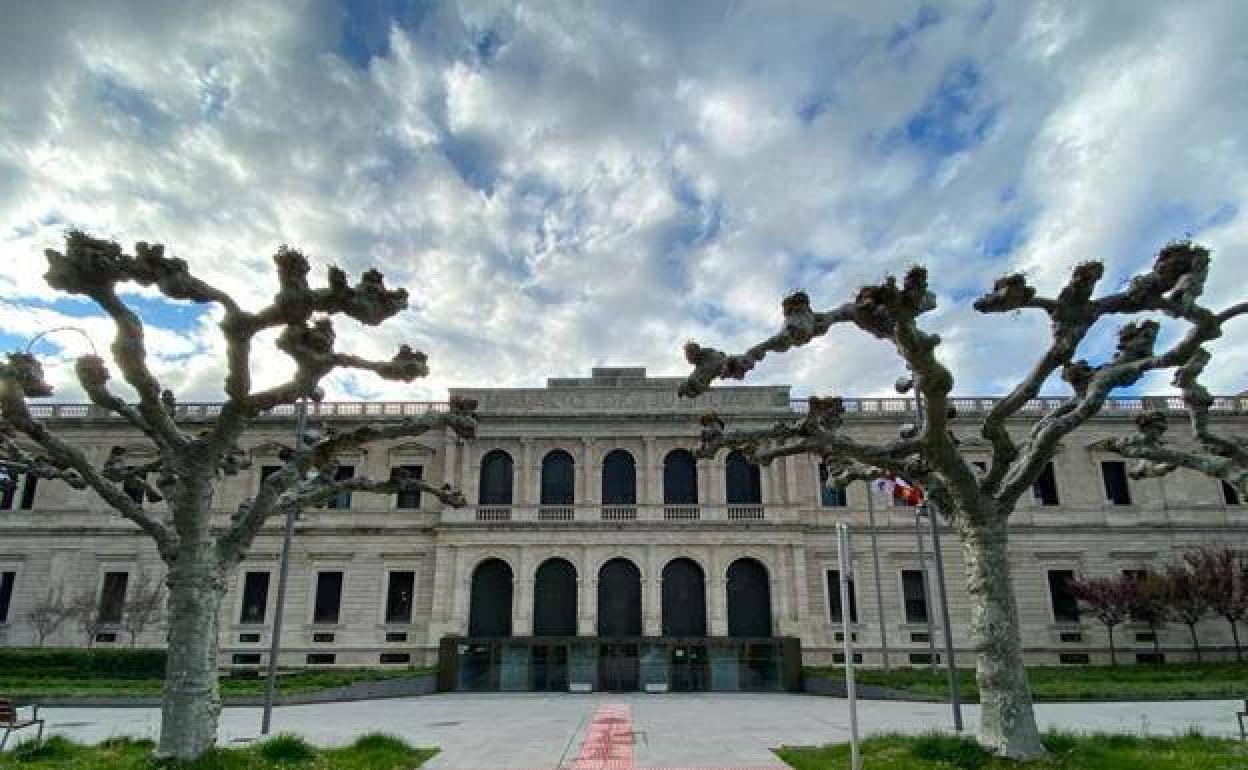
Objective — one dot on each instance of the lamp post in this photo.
(292, 513)
(875, 565)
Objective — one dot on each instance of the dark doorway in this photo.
(558, 478)
(744, 484)
(689, 668)
(749, 599)
(489, 613)
(684, 599)
(619, 478)
(495, 486)
(618, 667)
(619, 599)
(550, 667)
(680, 478)
(554, 599)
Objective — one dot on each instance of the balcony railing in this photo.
(494, 513)
(619, 513)
(556, 513)
(745, 512)
(655, 514)
(864, 407)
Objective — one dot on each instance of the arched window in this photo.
(554, 599)
(749, 599)
(619, 478)
(619, 599)
(495, 487)
(742, 479)
(684, 599)
(680, 478)
(558, 478)
(489, 605)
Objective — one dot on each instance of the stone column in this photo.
(449, 457)
(587, 600)
(461, 588)
(781, 612)
(716, 597)
(590, 473)
(527, 494)
(522, 595)
(649, 491)
(652, 596)
(705, 471)
(466, 465)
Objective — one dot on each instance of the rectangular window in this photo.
(6, 594)
(410, 499)
(1065, 605)
(135, 489)
(19, 492)
(255, 597)
(834, 597)
(914, 595)
(342, 500)
(399, 597)
(1045, 488)
(268, 470)
(328, 597)
(1114, 473)
(113, 597)
(830, 496)
(1229, 495)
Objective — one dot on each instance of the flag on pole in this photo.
(900, 489)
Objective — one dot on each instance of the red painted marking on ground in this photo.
(608, 742)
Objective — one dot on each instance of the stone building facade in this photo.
(597, 552)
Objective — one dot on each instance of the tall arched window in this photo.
(684, 599)
(554, 599)
(680, 478)
(489, 604)
(558, 478)
(619, 599)
(742, 479)
(619, 478)
(749, 599)
(495, 486)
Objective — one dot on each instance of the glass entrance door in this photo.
(689, 668)
(550, 667)
(618, 668)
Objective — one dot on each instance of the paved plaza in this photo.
(610, 731)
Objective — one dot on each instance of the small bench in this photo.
(12, 720)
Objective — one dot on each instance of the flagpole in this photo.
(847, 641)
(875, 565)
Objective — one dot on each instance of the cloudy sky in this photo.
(564, 185)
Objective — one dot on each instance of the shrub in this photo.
(286, 748)
(381, 743)
(56, 747)
(956, 750)
(72, 662)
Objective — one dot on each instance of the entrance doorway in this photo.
(550, 667)
(618, 669)
(689, 671)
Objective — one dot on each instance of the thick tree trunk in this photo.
(1007, 723)
(191, 701)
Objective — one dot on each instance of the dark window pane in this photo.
(1045, 488)
(6, 594)
(410, 498)
(749, 599)
(495, 482)
(113, 596)
(680, 478)
(255, 597)
(914, 595)
(1229, 495)
(328, 597)
(742, 479)
(489, 610)
(135, 489)
(684, 599)
(399, 597)
(619, 478)
(8, 487)
(342, 500)
(619, 599)
(554, 599)
(1065, 606)
(830, 496)
(834, 597)
(28, 491)
(268, 470)
(558, 478)
(1114, 473)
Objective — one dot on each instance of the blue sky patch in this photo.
(951, 120)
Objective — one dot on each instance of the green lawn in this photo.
(369, 752)
(1126, 682)
(1066, 752)
(18, 685)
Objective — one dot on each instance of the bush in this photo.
(56, 747)
(956, 750)
(286, 748)
(73, 662)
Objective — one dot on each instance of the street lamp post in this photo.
(875, 564)
(292, 513)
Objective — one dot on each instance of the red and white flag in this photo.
(900, 489)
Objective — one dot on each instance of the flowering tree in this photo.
(1151, 606)
(1110, 599)
(1187, 597)
(977, 504)
(48, 614)
(1223, 574)
(200, 552)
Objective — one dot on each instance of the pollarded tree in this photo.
(977, 504)
(1110, 599)
(201, 553)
